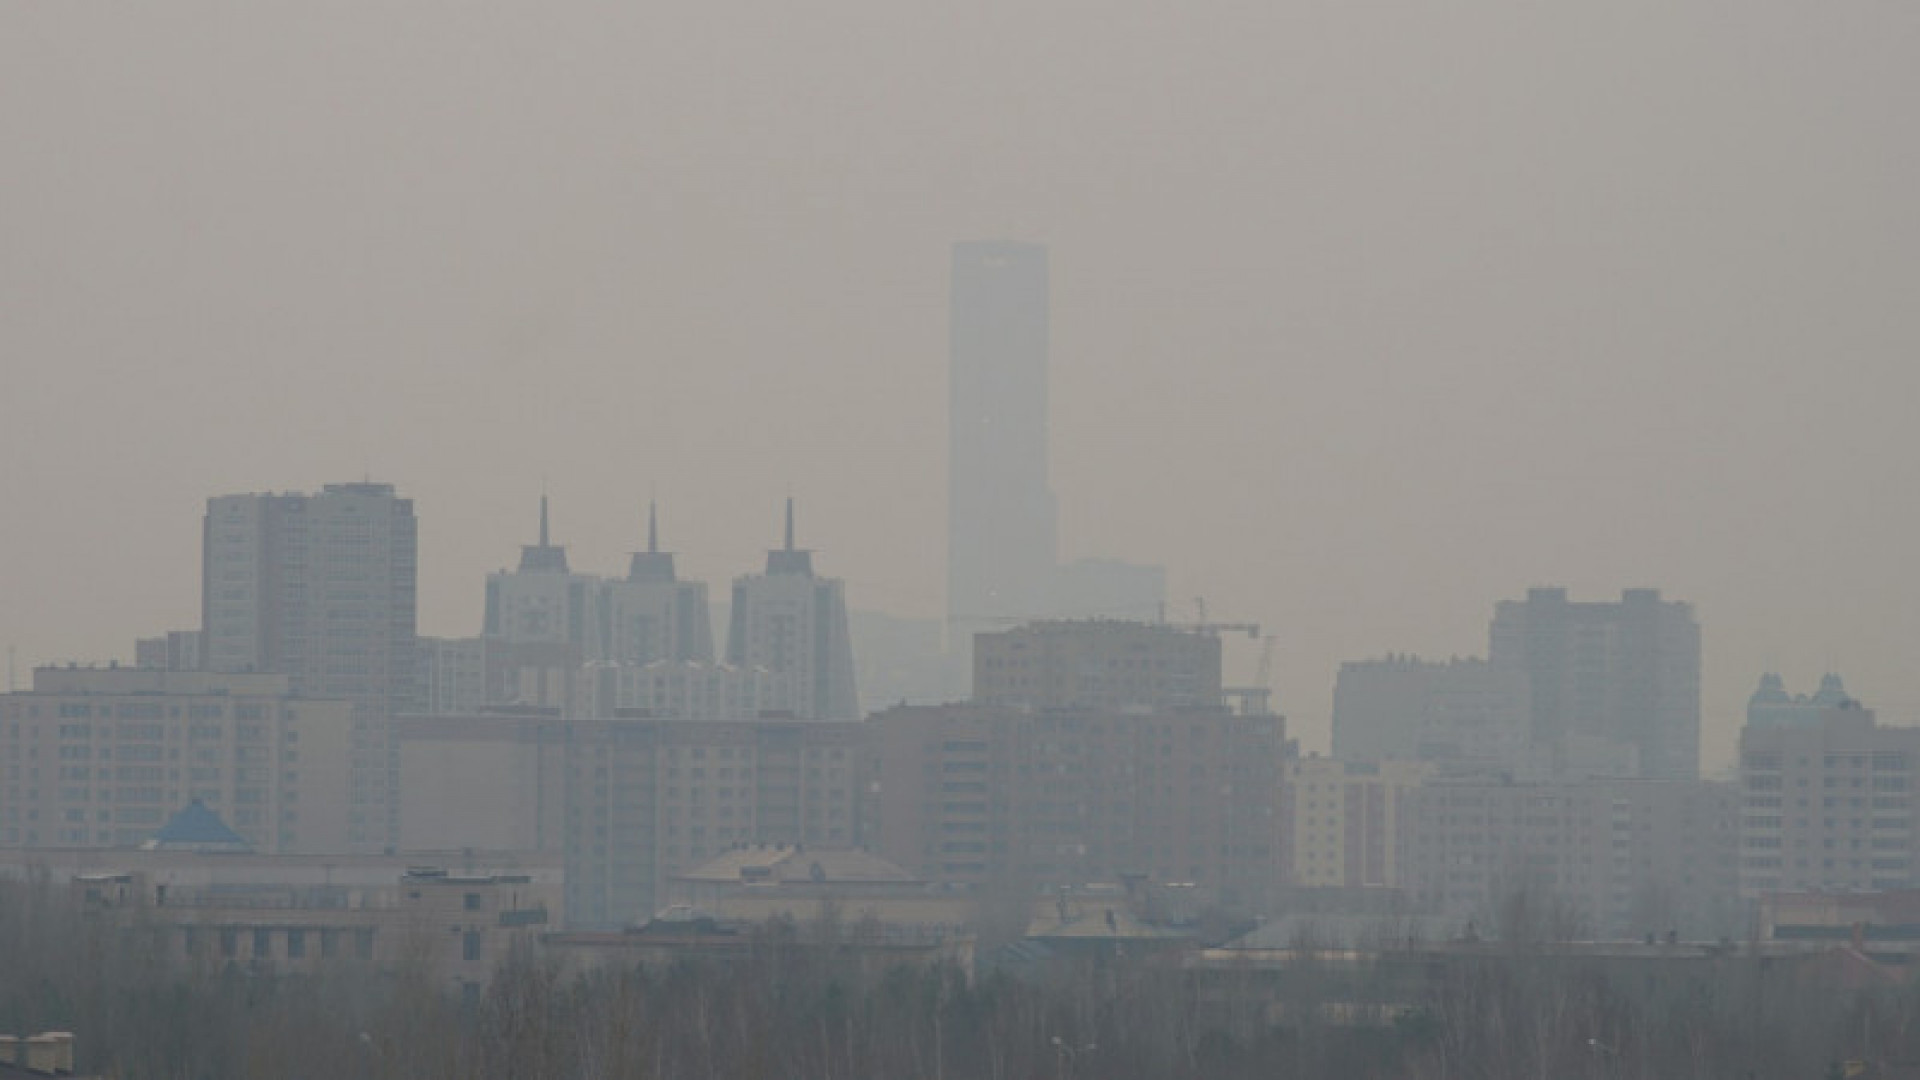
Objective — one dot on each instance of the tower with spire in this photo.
(540, 624)
(788, 621)
(652, 615)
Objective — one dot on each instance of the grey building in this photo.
(651, 615)
(1001, 514)
(1626, 673)
(1405, 708)
(322, 588)
(789, 621)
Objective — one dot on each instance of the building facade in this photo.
(322, 588)
(1342, 820)
(1626, 672)
(102, 757)
(1097, 664)
(1010, 799)
(1405, 708)
(1828, 798)
(632, 799)
(788, 621)
(1576, 859)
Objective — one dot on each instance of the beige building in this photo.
(1097, 664)
(1590, 858)
(1012, 799)
(1827, 799)
(1342, 820)
(756, 882)
(102, 757)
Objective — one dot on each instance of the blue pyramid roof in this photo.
(196, 828)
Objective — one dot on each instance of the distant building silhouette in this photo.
(1626, 672)
(651, 614)
(1001, 515)
(1405, 708)
(1002, 519)
(789, 621)
(323, 589)
(540, 624)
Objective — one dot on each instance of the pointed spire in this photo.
(543, 519)
(653, 529)
(789, 523)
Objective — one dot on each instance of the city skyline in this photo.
(1358, 322)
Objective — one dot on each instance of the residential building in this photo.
(1098, 664)
(322, 588)
(175, 650)
(1772, 707)
(651, 615)
(1405, 708)
(453, 675)
(632, 799)
(1574, 858)
(541, 625)
(1626, 672)
(103, 757)
(1342, 820)
(1828, 798)
(789, 621)
(1001, 513)
(1008, 799)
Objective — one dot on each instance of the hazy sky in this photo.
(1365, 315)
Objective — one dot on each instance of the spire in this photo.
(653, 529)
(543, 555)
(789, 559)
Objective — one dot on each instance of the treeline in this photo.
(798, 1004)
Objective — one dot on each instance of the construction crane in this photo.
(1202, 625)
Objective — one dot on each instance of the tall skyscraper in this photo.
(1627, 673)
(1001, 516)
(787, 620)
(322, 588)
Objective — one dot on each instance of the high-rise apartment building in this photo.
(651, 615)
(1097, 664)
(1828, 796)
(1010, 799)
(791, 622)
(1627, 673)
(1405, 708)
(322, 588)
(1343, 820)
(102, 757)
(1001, 515)
(541, 624)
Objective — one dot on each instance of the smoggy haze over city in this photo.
(1364, 317)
